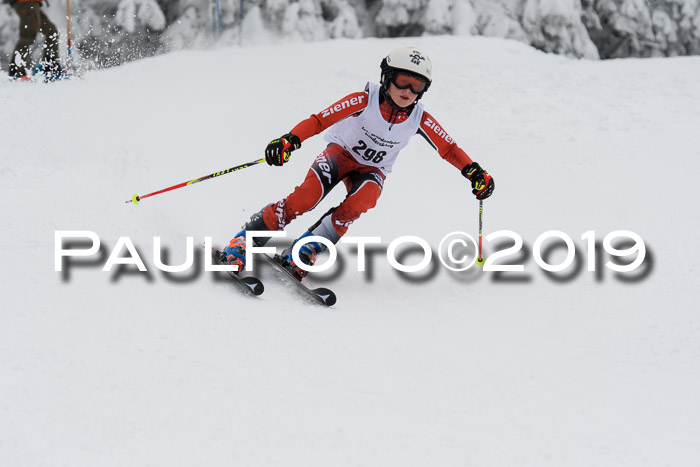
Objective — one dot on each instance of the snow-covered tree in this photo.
(686, 14)
(437, 17)
(185, 31)
(644, 28)
(9, 30)
(634, 18)
(139, 16)
(464, 18)
(556, 26)
(109, 32)
(500, 19)
(400, 18)
(302, 20)
(342, 19)
(665, 33)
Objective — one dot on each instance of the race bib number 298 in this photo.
(368, 154)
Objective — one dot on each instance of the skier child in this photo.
(367, 131)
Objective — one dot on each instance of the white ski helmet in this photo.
(409, 60)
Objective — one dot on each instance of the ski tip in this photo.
(327, 296)
(252, 284)
(256, 287)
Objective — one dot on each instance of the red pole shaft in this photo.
(136, 198)
(70, 53)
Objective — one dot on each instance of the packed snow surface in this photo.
(433, 368)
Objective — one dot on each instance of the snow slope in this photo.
(437, 368)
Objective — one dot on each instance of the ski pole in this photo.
(480, 259)
(68, 25)
(136, 198)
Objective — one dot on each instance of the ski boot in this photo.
(308, 254)
(17, 74)
(51, 71)
(234, 253)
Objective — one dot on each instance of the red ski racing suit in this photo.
(366, 134)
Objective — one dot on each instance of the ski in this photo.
(251, 284)
(321, 295)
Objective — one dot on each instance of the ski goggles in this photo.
(403, 81)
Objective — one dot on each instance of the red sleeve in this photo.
(349, 105)
(443, 143)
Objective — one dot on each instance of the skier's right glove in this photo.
(280, 150)
(482, 182)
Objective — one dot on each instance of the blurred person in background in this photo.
(33, 20)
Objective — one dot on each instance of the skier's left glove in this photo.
(482, 182)
(280, 150)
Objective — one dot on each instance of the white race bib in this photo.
(369, 138)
